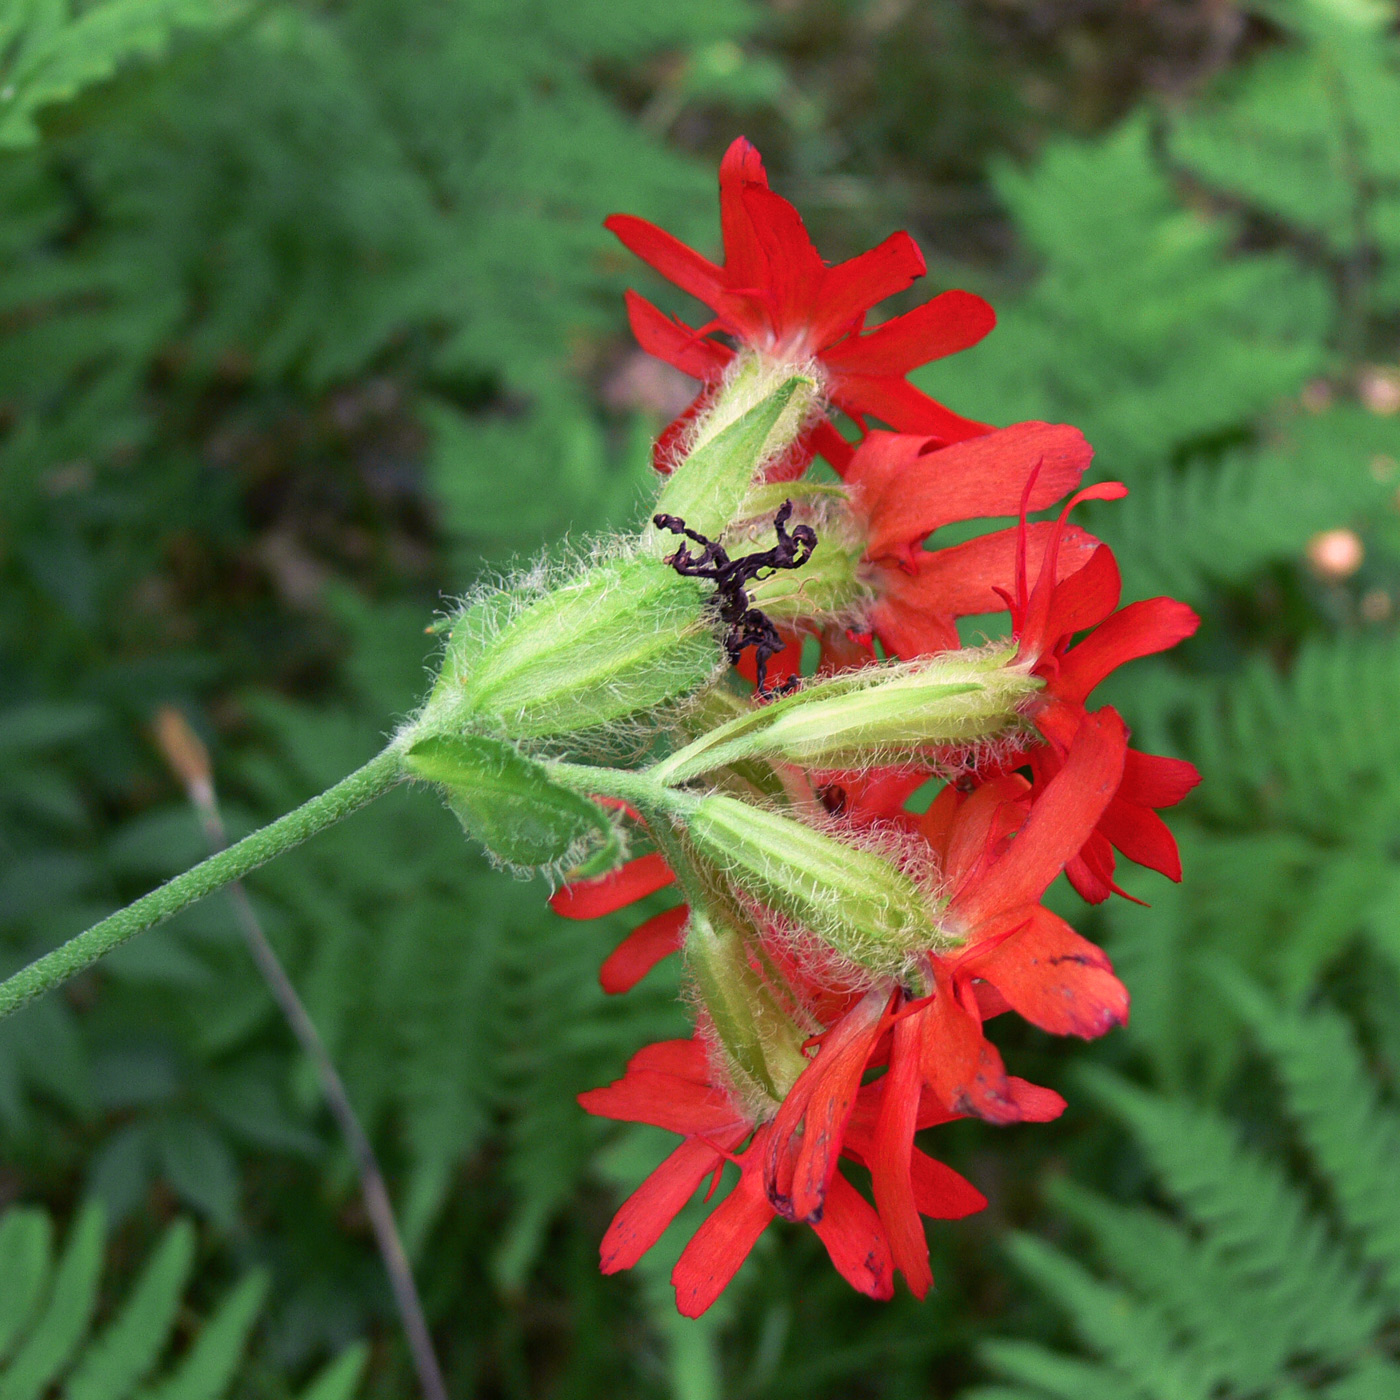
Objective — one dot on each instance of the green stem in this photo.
(348, 795)
(641, 789)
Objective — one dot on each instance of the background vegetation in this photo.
(308, 319)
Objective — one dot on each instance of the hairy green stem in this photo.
(641, 789)
(349, 795)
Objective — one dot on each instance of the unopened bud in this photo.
(897, 713)
(855, 900)
(626, 636)
(755, 1024)
(755, 419)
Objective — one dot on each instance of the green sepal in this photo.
(624, 637)
(507, 802)
(708, 489)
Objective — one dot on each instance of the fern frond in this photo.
(1353, 1137)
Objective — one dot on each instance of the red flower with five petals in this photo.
(775, 295)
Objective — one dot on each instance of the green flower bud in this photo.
(761, 1039)
(623, 637)
(508, 803)
(756, 418)
(893, 713)
(856, 901)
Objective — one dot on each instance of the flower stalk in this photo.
(357, 790)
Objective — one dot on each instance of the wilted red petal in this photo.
(798, 1167)
(856, 1241)
(591, 899)
(721, 1245)
(1054, 978)
(670, 257)
(960, 1065)
(1061, 820)
(645, 1214)
(851, 288)
(1140, 629)
(642, 949)
(982, 476)
(952, 321)
(893, 1150)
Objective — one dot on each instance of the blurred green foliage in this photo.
(309, 319)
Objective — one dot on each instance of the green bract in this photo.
(858, 902)
(507, 801)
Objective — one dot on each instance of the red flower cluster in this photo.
(895, 1056)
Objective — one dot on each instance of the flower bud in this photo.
(508, 803)
(623, 637)
(756, 418)
(856, 901)
(897, 713)
(760, 1039)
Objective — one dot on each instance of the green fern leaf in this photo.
(55, 1335)
(205, 1373)
(26, 1248)
(121, 1356)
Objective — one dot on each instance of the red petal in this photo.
(902, 406)
(744, 263)
(642, 949)
(939, 1192)
(855, 1240)
(647, 1212)
(671, 258)
(1035, 1104)
(1087, 596)
(1138, 630)
(952, 321)
(1153, 781)
(720, 1245)
(960, 1066)
(675, 342)
(893, 1150)
(686, 1059)
(851, 288)
(1091, 871)
(1141, 835)
(1054, 978)
(831, 445)
(1061, 820)
(795, 270)
(678, 1105)
(798, 1168)
(916, 612)
(591, 899)
(982, 476)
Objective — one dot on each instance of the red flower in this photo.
(903, 489)
(776, 296)
(1046, 618)
(671, 1086)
